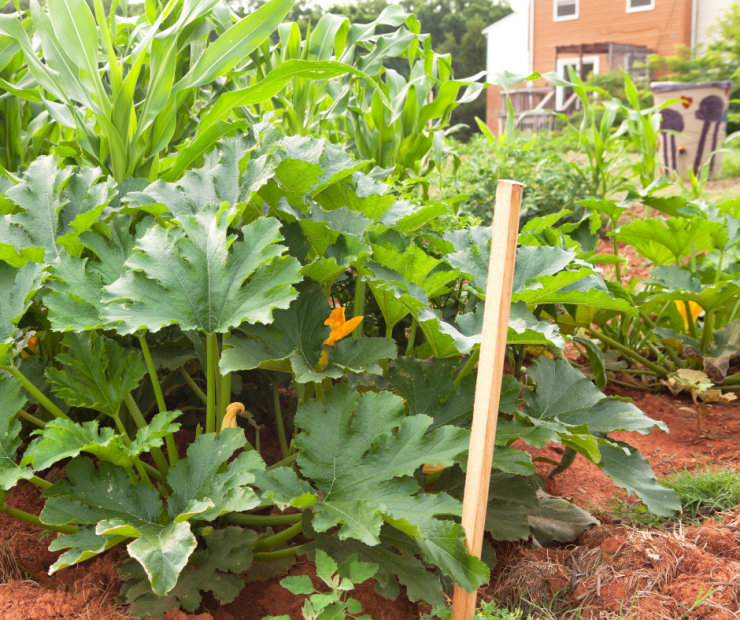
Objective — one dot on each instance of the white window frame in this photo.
(576, 63)
(567, 18)
(640, 9)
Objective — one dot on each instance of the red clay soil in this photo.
(617, 572)
(90, 590)
(667, 452)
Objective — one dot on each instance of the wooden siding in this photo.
(607, 21)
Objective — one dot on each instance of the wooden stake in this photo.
(490, 371)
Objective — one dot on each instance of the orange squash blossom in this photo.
(340, 327)
(695, 311)
(230, 417)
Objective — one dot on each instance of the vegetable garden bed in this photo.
(89, 590)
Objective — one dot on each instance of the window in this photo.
(562, 95)
(564, 10)
(635, 6)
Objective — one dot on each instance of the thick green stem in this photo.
(719, 267)
(137, 461)
(731, 380)
(468, 368)
(628, 352)
(211, 347)
(278, 555)
(693, 258)
(690, 321)
(22, 413)
(34, 391)
(707, 334)
(388, 334)
(223, 389)
(617, 266)
(734, 311)
(279, 538)
(140, 422)
(40, 482)
(279, 420)
(171, 447)
(34, 520)
(412, 337)
(193, 386)
(359, 305)
(163, 386)
(266, 520)
(286, 462)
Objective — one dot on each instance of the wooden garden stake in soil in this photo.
(490, 371)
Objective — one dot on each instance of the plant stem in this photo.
(223, 386)
(22, 413)
(279, 538)
(636, 386)
(734, 311)
(468, 368)
(731, 380)
(36, 393)
(693, 257)
(629, 352)
(719, 266)
(284, 463)
(279, 420)
(34, 520)
(163, 386)
(137, 461)
(412, 337)
(708, 332)
(189, 380)
(617, 267)
(242, 519)
(171, 447)
(278, 555)
(211, 344)
(40, 482)
(690, 321)
(359, 304)
(140, 422)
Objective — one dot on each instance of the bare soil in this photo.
(690, 559)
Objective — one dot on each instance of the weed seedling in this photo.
(332, 605)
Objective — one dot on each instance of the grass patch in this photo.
(730, 164)
(703, 493)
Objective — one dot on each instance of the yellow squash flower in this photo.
(431, 469)
(33, 342)
(695, 311)
(230, 417)
(340, 327)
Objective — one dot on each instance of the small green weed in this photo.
(702, 493)
(486, 611)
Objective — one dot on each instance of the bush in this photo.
(551, 178)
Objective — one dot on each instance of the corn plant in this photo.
(129, 91)
(599, 137)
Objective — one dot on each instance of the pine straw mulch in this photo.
(618, 571)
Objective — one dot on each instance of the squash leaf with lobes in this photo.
(195, 275)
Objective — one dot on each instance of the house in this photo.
(592, 36)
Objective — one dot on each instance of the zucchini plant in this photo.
(253, 266)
